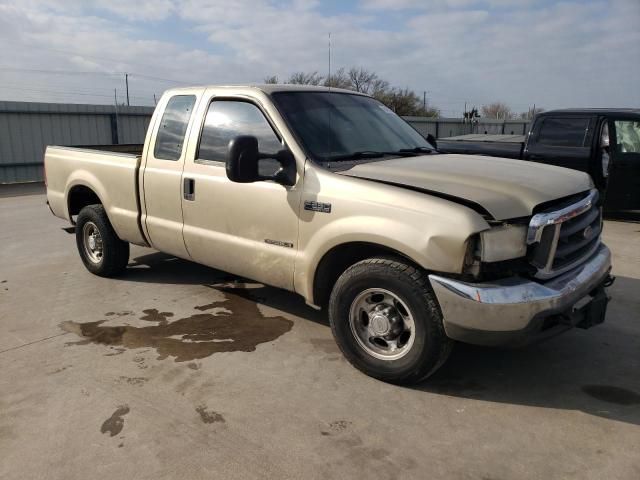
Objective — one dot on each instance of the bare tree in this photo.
(339, 79)
(362, 80)
(529, 114)
(403, 101)
(498, 110)
(406, 102)
(305, 78)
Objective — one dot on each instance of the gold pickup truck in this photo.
(329, 194)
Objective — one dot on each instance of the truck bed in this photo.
(112, 175)
(506, 146)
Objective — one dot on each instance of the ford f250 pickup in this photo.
(329, 194)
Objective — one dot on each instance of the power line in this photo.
(76, 72)
(67, 92)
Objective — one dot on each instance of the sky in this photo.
(554, 54)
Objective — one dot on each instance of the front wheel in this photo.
(101, 251)
(386, 321)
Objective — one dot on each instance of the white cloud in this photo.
(567, 54)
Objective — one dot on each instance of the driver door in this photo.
(249, 229)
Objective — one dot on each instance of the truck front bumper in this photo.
(516, 311)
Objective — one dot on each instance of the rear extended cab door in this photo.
(161, 178)
(562, 139)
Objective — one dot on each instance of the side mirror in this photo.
(243, 162)
(432, 141)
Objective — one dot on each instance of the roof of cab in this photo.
(592, 111)
(270, 88)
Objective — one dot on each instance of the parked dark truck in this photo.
(605, 143)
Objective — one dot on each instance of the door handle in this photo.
(189, 189)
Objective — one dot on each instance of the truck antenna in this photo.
(329, 80)
(329, 76)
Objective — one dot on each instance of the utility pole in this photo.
(126, 81)
(424, 102)
(115, 103)
(154, 99)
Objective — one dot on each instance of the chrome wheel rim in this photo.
(92, 242)
(382, 324)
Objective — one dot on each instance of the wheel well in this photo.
(79, 197)
(341, 257)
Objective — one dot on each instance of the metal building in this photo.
(26, 128)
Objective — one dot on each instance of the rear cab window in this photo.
(173, 127)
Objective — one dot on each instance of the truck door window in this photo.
(225, 120)
(564, 132)
(173, 126)
(627, 136)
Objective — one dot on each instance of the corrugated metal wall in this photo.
(27, 128)
(449, 127)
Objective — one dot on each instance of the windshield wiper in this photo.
(362, 154)
(416, 150)
(358, 155)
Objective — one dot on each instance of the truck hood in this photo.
(504, 187)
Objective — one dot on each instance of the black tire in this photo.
(115, 252)
(431, 346)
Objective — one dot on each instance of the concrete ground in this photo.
(123, 378)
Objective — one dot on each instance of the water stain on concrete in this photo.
(115, 351)
(119, 314)
(115, 423)
(139, 361)
(239, 327)
(136, 381)
(336, 427)
(611, 394)
(153, 315)
(206, 307)
(58, 370)
(209, 416)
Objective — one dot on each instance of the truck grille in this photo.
(562, 237)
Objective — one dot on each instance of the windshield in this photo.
(340, 126)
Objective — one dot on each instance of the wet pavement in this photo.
(176, 370)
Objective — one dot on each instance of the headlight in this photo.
(503, 243)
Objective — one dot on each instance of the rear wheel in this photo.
(101, 251)
(386, 321)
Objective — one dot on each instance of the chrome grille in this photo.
(564, 236)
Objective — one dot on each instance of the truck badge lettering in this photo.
(278, 243)
(317, 206)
